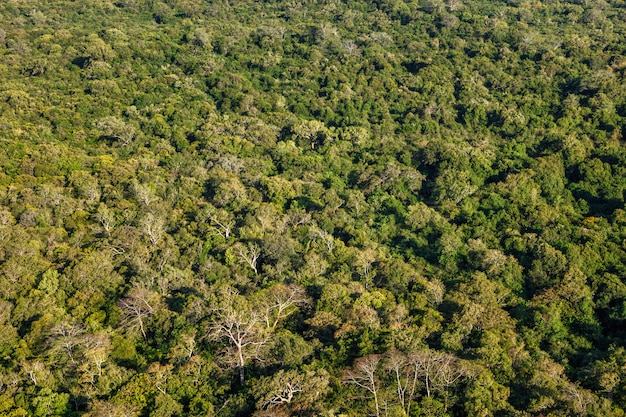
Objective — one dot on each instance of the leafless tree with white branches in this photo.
(363, 375)
(242, 328)
(138, 305)
(249, 254)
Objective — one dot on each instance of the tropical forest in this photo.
(331, 208)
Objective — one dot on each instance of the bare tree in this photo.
(97, 348)
(579, 397)
(364, 264)
(144, 193)
(106, 217)
(118, 129)
(288, 385)
(65, 337)
(438, 370)
(222, 222)
(36, 371)
(290, 392)
(160, 374)
(326, 239)
(241, 328)
(363, 375)
(405, 377)
(281, 301)
(138, 305)
(425, 364)
(249, 254)
(185, 348)
(153, 226)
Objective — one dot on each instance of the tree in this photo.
(364, 264)
(363, 375)
(95, 355)
(36, 373)
(106, 218)
(241, 326)
(221, 220)
(65, 338)
(249, 253)
(117, 129)
(288, 384)
(323, 238)
(280, 301)
(579, 397)
(405, 378)
(438, 371)
(153, 226)
(309, 130)
(98, 49)
(293, 390)
(138, 306)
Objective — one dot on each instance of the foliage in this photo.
(327, 208)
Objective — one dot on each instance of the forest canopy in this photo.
(318, 208)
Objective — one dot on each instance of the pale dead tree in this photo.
(243, 331)
(425, 364)
(296, 218)
(92, 192)
(9, 382)
(106, 218)
(222, 223)
(164, 257)
(66, 337)
(449, 372)
(580, 397)
(153, 227)
(281, 301)
(249, 254)
(137, 307)
(186, 348)
(328, 32)
(267, 217)
(189, 343)
(315, 265)
(290, 392)
(293, 218)
(438, 370)
(97, 349)
(325, 238)
(363, 375)
(405, 376)
(351, 48)
(287, 385)
(160, 374)
(35, 371)
(364, 263)
(454, 5)
(117, 129)
(6, 218)
(285, 396)
(115, 249)
(144, 193)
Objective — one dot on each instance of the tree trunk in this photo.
(241, 365)
(241, 375)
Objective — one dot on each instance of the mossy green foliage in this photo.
(320, 208)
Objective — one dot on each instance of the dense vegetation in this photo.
(312, 208)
